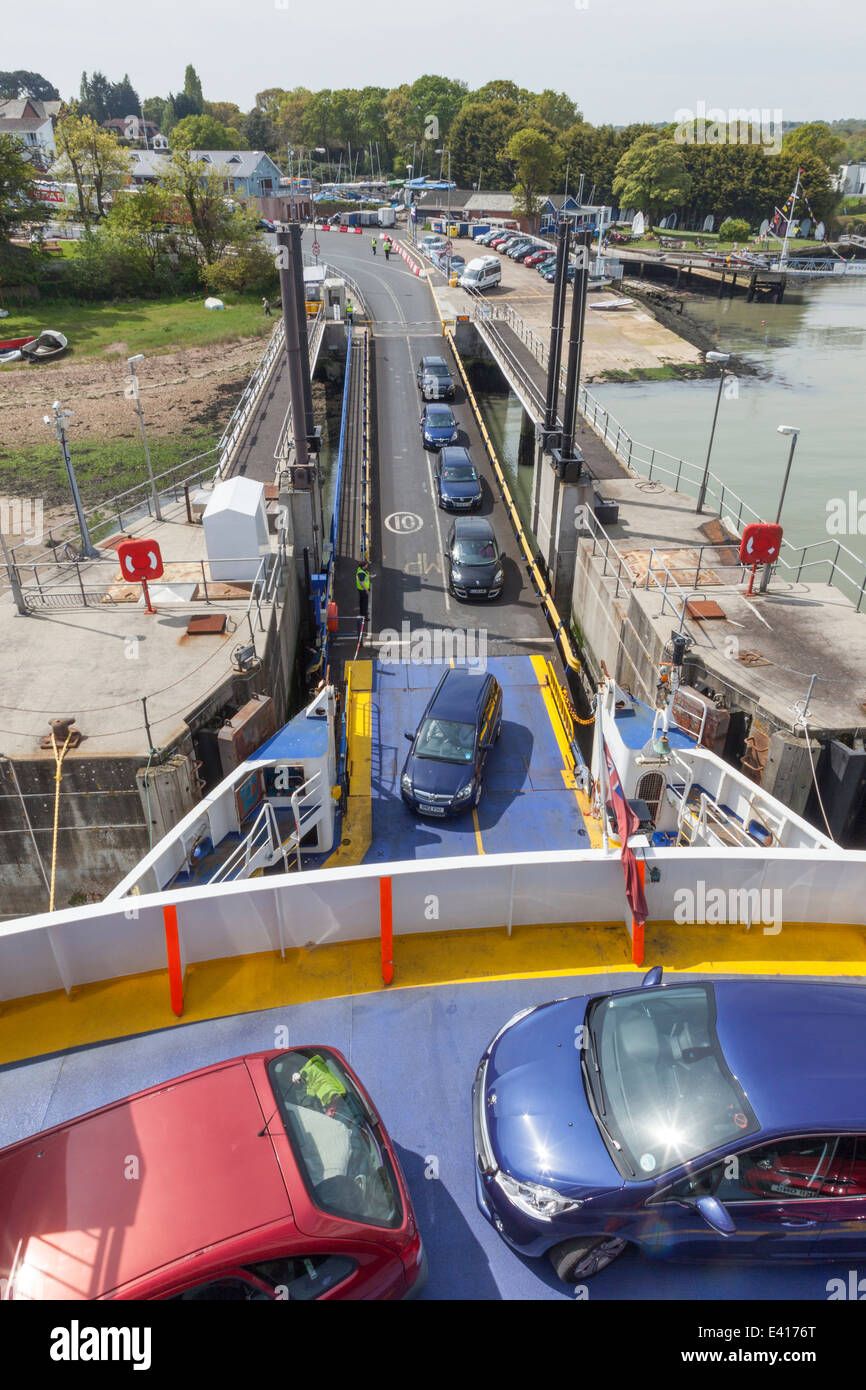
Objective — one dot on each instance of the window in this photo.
(267, 185)
(220, 1291)
(446, 740)
(297, 1278)
(784, 1170)
(649, 789)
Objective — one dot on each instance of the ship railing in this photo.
(83, 583)
(306, 818)
(261, 847)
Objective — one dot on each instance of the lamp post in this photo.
(131, 363)
(712, 357)
(88, 552)
(794, 432)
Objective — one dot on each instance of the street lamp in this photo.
(794, 432)
(133, 382)
(712, 357)
(87, 549)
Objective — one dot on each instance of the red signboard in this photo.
(760, 543)
(316, 248)
(139, 560)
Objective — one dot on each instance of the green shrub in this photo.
(734, 229)
(250, 269)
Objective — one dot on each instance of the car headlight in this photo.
(535, 1200)
(406, 782)
(499, 576)
(465, 792)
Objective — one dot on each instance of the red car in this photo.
(268, 1176)
(809, 1175)
(501, 240)
(538, 256)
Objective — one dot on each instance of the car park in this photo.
(438, 426)
(265, 1177)
(443, 774)
(679, 1119)
(458, 488)
(540, 253)
(435, 381)
(473, 561)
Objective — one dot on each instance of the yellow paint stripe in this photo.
(478, 840)
(593, 829)
(358, 819)
(243, 984)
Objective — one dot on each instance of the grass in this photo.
(711, 244)
(143, 325)
(680, 372)
(103, 467)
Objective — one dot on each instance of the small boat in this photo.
(50, 343)
(10, 348)
(614, 304)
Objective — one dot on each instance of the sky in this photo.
(620, 60)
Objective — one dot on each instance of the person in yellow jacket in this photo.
(362, 584)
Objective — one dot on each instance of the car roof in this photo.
(85, 1227)
(458, 691)
(454, 453)
(429, 361)
(797, 1049)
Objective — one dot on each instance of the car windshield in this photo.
(659, 1081)
(436, 367)
(475, 550)
(439, 416)
(446, 740)
(336, 1144)
(458, 473)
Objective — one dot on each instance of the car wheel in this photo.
(574, 1260)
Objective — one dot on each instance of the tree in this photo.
(249, 268)
(211, 226)
(480, 132)
(93, 157)
(123, 99)
(192, 91)
(734, 229)
(27, 84)
(556, 109)
(138, 220)
(533, 156)
(17, 201)
(203, 133)
(226, 112)
(257, 131)
(652, 175)
(153, 109)
(93, 97)
(818, 139)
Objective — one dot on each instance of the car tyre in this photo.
(575, 1260)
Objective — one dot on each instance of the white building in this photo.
(30, 122)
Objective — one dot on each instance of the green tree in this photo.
(27, 84)
(226, 112)
(192, 91)
(123, 99)
(818, 139)
(138, 221)
(17, 201)
(652, 175)
(92, 157)
(502, 90)
(480, 132)
(153, 109)
(734, 229)
(212, 227)
(556, 109)
(533, 158)
(204, 133)
(257, 131)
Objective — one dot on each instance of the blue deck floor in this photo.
(525, 806)
(416, 1050)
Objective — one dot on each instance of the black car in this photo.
(550, 275)
(435, 380)
(443, 772)
(473, 562)
(457, 485)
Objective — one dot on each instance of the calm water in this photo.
(812, 349)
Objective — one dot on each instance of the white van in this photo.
(482, 273)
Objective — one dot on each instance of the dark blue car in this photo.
(438, 426)
(444, 771)
(458, 488)
(696, 1122)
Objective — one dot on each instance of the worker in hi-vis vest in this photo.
(362, 584)
(373, 244)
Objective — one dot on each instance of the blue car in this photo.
(696, 1122)
(444, 770)
(438, 426)
(458, 488)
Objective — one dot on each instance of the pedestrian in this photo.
(387, 251)
(350, 311)
(362, 584)
(266, 306)
(373, 244)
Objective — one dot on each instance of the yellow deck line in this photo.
(593, 829)
(358, 820)
(119, 1008)
(478, 840)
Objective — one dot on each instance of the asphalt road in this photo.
(409, 529)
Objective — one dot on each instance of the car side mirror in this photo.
(716, 1215)
(652, 978)
(410, 737)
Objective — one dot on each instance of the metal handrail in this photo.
(264, 833)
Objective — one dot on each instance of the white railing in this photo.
(260, 849)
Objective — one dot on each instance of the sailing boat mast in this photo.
(783, 259)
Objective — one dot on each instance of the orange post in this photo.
(637, 927)
(172, 950)
(387, 930)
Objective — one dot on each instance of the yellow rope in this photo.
(58, 775)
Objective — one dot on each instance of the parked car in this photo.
(499, 241)
(482, 273)
(443, 774)
(266, 225)
(538, 255)
(686, 1124)
(434, 379)
(438, 426)
(269, 1176)
(515, 250)
(546, 263)
(429, 244)
(458, 488)
(472, 559)
(550, 274)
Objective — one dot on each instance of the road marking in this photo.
(435, 507)
(478, 840)
(403, 523)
